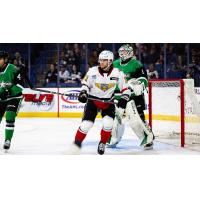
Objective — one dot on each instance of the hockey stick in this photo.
(64, 94)
(52, 92)
(59, 93)
(40, 90)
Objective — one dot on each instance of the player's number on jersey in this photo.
(19, 77)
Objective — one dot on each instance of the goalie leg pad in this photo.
(139, 127)
(117, 133)
(134, 123)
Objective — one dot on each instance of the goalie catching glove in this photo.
(119, 110)
(83, 96)
(136, 86)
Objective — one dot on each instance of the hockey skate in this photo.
(101, 148)
(147, 142)
(6, 145)
(113, 143)
(148, 146)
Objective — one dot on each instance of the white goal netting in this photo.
(167, 101)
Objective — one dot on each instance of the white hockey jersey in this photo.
(101, 85)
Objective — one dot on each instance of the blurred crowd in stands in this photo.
(67, 71)
(69, 66)
(18, 60)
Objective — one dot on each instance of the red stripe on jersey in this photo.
(101, 105)
(124, 89)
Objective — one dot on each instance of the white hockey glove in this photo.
(136, 86)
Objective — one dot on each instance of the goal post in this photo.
(179, 93)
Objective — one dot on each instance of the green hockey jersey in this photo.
(132, 69)
(9, 81)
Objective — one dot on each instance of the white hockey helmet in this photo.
(106, 55)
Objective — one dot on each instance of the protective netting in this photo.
(166, 111)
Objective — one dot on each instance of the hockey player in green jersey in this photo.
(136, 77)
(10, 95)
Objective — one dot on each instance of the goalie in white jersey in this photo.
(97, 92)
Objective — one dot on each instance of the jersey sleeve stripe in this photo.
(124, 89)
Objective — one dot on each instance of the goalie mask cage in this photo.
(174, 110)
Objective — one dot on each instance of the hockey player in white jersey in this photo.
(97, 92)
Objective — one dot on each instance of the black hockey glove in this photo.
(4, 95)
(123, 101)
(83, 96)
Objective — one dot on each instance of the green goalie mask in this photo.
(125, 52)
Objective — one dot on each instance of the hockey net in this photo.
(174, 111)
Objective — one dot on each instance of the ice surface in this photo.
(55, 136)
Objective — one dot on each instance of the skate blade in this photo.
(148, 148)
(111, 146)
